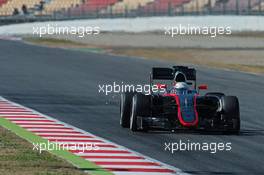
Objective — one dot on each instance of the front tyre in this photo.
(125, 108)
(231, 112)
(140, 107)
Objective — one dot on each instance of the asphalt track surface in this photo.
(64, 85)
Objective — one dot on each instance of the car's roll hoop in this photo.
(161, 73)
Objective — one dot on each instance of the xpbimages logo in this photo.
(120, 88)
(51, 146)
(80, 31)
(212, 31)
(212, 147)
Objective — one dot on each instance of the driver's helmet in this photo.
(181, 86)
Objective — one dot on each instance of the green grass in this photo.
(18, 158)
(18, 155)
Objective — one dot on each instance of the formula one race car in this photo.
(179, 105)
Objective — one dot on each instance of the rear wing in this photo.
(160, 73)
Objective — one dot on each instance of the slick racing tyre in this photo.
(231, 112)
(140, 107)
(125, 108)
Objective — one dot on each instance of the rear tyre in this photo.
(125, 108)
(140, 107)
(231, 112)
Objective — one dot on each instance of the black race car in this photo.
(179, 105)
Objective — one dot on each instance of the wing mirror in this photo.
(203, 87)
